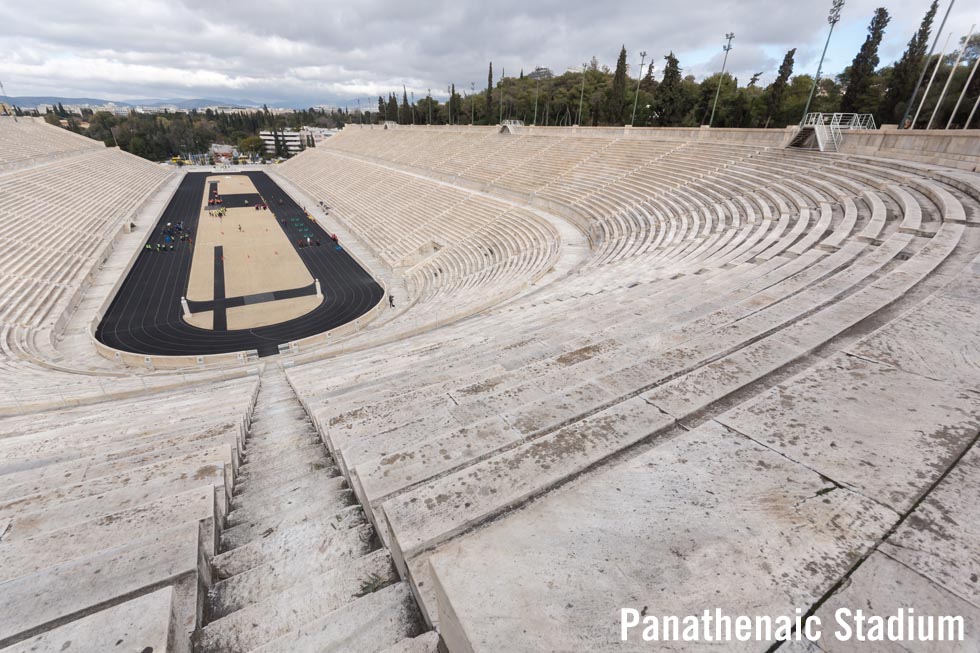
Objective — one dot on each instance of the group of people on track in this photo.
(171, 234)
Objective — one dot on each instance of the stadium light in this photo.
(833, 18)
(727, 48)
(939, 62)
(537, 83)
(976, 104)
(922, 74)
(639, 76)
(952, 73)
(969, 80)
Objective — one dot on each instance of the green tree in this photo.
(906, 71)
(776, 90)
(616, 99)
(392, 113)
(251, 146)
(670, 100)
(863, 92)
(490, 95)
(405, 113)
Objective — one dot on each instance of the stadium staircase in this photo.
(299, 567)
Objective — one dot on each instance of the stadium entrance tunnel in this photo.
(249, 274)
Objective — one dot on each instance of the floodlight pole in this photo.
(501, 119)
(935, 70)
(966, 86)
(727, 48)
(581, 97)
(922, 75)
(952, 73)
(537, 83)
(972, 113)
(833, 18)
(639, 76)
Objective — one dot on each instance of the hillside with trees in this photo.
(595, 95)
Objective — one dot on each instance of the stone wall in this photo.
(953, 148)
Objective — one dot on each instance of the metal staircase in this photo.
(826, 130)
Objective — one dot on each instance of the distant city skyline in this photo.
(300, 57)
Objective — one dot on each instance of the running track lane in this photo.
(145, 315)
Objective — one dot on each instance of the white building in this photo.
(319, 134)
(293, 141)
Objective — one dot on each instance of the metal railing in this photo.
(829, 127)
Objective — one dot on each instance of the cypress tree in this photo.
(392, 107)
(776, 90)
(616, 103)
(648, 82)
(862, 95)
(404, 115)
(907, 69)
(490, 93)
(670, 94)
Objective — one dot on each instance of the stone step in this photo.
(424, 643)
(369, 625)
(55, 595)
(65, 513)
(197, 506)
(165, 471)
(283, 476)
(438, 421)
(286, 411)
(322, 487)
(106, 432)
(332, 535)
(438, 510)
(421, 458)
(259, 622)
(709, 516)
(277, 575)
(242, 534)
(145, 623)
(264, 447)
(143, 440)
(43, 480)
(260, 467)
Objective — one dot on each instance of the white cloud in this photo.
(291, 51)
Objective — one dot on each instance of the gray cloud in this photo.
(291, 51)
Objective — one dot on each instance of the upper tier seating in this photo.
(462, 250)
(26, 141)
(61, 211)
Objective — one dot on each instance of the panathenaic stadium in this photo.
(487, 389)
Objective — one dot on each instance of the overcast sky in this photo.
(333, 53)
